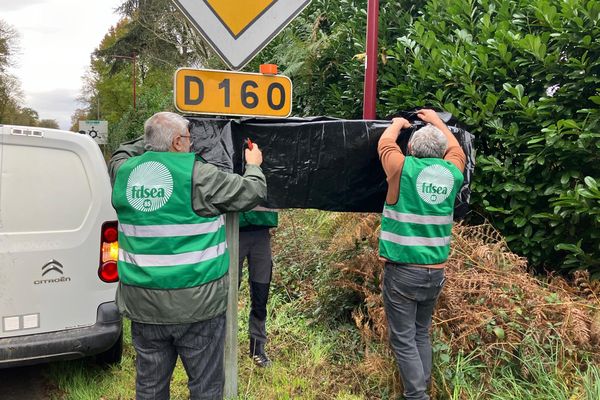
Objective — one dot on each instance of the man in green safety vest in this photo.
(173, 258)
(415, 238)
(255, 245)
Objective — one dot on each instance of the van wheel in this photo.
(113, 355)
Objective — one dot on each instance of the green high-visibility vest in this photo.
(259, 216)
(417, 229)
(163, 243)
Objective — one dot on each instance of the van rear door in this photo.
(54, 198)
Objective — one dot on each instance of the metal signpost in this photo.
(370, 84)
(237, 30)
(232, 93)
(231, 322)
(97, 130)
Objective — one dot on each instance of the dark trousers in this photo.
(200, 346)
(256, 247)
(409, 297)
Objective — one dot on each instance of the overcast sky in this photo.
(56, 39)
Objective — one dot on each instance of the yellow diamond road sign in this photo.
(239, 29)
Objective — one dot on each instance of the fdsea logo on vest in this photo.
(149, 186)
(435, 183)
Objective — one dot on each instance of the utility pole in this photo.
(370, 86)
(130, 58)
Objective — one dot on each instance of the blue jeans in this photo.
(200, 346)
(409, 297)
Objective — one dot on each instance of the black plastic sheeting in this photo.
(322, 163)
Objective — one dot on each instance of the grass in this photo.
(307, 363)
(314, 361)
(543, 374)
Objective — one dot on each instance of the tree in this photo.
(10, 88)
(161, 40)
(26, 116)
(80, 114)
(48, 123)
(10, 97)
(160, 35)
(8, 45)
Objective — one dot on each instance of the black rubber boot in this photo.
(257, 352)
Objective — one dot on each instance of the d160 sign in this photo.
(202, 91)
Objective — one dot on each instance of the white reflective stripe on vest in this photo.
(171, 230)
(415, 240)
(261, 208)
(417, 219)
(162, 260)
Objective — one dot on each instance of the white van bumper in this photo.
(64, 345)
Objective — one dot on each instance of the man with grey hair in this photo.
(173, 258)
(415, 238)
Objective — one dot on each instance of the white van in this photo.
(58, 249)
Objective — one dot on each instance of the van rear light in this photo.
(110, 234)
(109, 253)
(108, 272)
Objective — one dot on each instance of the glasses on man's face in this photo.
(189, 137)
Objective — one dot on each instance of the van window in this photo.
(43, 189)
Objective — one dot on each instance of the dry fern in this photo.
(487, 286)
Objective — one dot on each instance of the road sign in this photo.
(97, 130)
(204, 91)
(239, 29)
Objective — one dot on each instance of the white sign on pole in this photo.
(97, 130)
(239, 29)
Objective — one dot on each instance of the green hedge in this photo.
(523, 76)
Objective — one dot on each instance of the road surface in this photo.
(24, 383)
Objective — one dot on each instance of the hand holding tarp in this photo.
(393, 131)
(429, 116)
(253, 154)
(401, 122)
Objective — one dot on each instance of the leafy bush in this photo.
(523, 75)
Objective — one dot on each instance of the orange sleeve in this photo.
(392, 161)
(454, 153)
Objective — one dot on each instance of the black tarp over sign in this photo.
(322, 163)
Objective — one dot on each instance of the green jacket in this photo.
(259, 217)
(213, 192)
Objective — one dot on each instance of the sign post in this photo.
(97, 130)
(231, 323)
